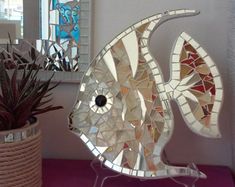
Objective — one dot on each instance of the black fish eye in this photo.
(100, 100)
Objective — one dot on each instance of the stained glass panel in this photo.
(65, 34)
(65, 15)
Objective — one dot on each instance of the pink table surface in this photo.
(77, 173)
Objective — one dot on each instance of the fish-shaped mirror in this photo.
(123, 111)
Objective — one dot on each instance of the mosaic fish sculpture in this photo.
(123, 111)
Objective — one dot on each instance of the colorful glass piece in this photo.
(68, 24)
(123, 111)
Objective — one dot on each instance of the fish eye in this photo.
(100, 100)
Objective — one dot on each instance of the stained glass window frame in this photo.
(85, 24)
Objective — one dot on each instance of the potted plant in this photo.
(22, 97)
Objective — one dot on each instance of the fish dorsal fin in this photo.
(196, 86)
(136, 36)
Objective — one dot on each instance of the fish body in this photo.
(123, 111)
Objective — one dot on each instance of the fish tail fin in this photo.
(196, 86)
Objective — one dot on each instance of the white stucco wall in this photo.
(110, 17)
